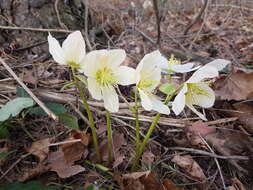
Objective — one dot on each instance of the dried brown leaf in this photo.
(237, 86)
(148, 158)
(200, 128)
(40, 148)
(190, 166)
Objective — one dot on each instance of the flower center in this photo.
(195, 90)
(173, 61)
(73, 64)
(143, 84)
(104, 77)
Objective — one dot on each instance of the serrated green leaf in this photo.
(83, 80)
(14, 107)
(70, 121)
(67, 85)
(167, 88)
(6, 154)
(27, 186)
(21, 92)
(54, 107)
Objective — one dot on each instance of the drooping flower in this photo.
(72, 51)
(196, 91)
(148, 77)
(174, 66)
(102, 67)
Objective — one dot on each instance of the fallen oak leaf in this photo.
(191, 167)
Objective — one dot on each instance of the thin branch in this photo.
(35, 29)
(156, 9)
(41, 104)
(197, 18)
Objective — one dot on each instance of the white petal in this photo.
(91, 63)
(74, 47)
(197, 112)
(159, 106)
(125, 75)
(203, 73)
(184, 68)
(94, 89)
(115, 57)
(150, 61)
(111, 100)
(56, 50)
(219, 64)
(145, 100)
(179, 102)
(163, 63)
(205, 101)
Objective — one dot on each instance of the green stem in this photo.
(109, 136)
(147, 136)
(137, 126)
(89, 113)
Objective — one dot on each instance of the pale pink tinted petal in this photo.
(56, 50)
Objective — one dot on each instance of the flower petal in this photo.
(74, 47)
(205, 101)
(125, 75)
(94, 89)
(159, 106)
(179, 102)
(145, 100)
(115, 57)
(219, 64)
(197, 112)
(202, 73)
(150, 61)
(184, 68)
(111, 100)
(91, 62)
(56, 50)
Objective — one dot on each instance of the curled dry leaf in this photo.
(63, 169)
(63, 160)
(191, 167)
(143, 181)
(237, 86)
(40, 149)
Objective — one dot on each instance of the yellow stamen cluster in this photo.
(104, 77)
(195, 90)
(173, 60)
(73, 64)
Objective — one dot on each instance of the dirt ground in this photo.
(216, 155)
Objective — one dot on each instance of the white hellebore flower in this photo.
(174, 66)
(72, 51)
(102, 67)
(195, 90)
(148, 76)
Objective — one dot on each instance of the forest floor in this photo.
(184, 153)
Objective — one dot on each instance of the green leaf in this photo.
(21, 92)
(92, 187)
(69, 120)
(83, 80)
(54, 107)
(4, 133)
(27, 186)
(14, 107)
(67, 85)
(167, 88)
(6, 154)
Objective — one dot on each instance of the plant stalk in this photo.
(89, 113)
(109, 136)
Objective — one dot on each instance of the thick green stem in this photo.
(89, 113)
(109, 136)
(137, 126)
(147, 136)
